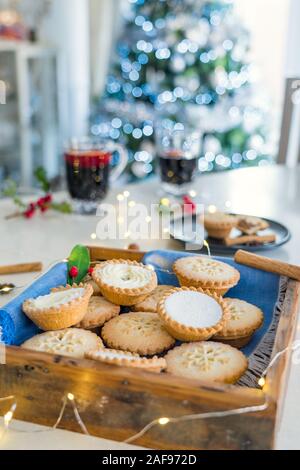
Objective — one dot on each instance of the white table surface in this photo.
(272, 192)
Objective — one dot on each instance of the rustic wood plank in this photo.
(115, 403)
(100, 253)
(277, 378)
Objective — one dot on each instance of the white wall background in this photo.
(267, 21)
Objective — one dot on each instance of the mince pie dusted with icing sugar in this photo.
(62, 308)
(124, 282)
(191, 314)
(206, 273)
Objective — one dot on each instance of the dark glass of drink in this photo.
(89, 173)
(178, 155)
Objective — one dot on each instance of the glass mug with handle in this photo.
(89, 172)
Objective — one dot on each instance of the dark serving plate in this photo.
(185, 230)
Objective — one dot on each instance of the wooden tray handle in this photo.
(267, 264)
(21, 268)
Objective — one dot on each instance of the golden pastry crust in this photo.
(128, 359)
(207, 361)
(151, 302)
(251, 225)
(244, 319)
(60, 316)
(206, 273)
(89, 280)
(122, 295)
(137, 332)
(99, 311)
(183, 332)
(219, 224)
(71, 342)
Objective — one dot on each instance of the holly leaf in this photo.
(79, 257)
(41, 177)
(63, 207)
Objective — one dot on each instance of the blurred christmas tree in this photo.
(184, 62)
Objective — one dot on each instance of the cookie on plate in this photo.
(219, 225)
(207, 273)
(151, 302)
(244, 319)
(124, 282)
(62, 308)
(127, 359)
(191, 314)
(71, 342)
(99, 311)
(137, 332)
(207, 361)
(251, 225)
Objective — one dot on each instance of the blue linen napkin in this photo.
(15, 327)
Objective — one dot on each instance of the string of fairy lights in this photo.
(162, 421)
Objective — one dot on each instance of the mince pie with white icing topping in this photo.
(124, 282)
(62, 308)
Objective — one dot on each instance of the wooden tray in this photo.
(115, 403)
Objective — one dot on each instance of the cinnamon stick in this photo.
(21, 268)
(245, 239)
(267, 264)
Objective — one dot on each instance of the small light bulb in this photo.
(93, 236)
(212, 209)
(148, 219)
(152, 268)
(193, 193)
(70, 396)
(132, 203)
(8, 418)
(126, 193)
(120, 197)
(165, 202)
(262, 382)
(163, 421)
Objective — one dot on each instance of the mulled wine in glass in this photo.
(178, 153)
(89, 173)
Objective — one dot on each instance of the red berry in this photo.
(29, 213)
(74, 271)
(40, 203)
(91, 270)
(44, 208)
(48, 198)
